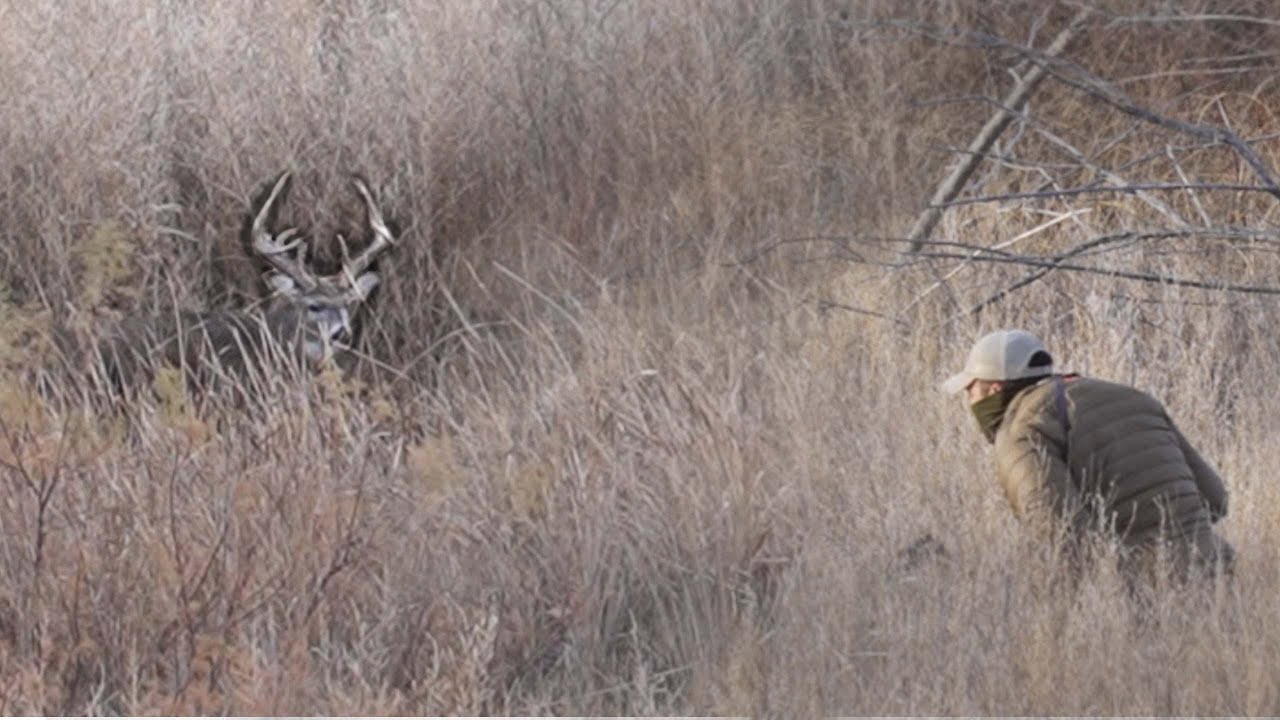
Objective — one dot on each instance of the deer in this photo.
(309, 319)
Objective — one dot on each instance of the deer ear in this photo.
(282, 284)
(366, 283)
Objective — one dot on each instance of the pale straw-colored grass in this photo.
(608, 459)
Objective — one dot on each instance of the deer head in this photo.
(316, 309)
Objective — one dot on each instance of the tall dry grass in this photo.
(607, 457)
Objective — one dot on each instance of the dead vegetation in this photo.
(648, 421)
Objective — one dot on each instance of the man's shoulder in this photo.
(1078, 390)
(1094, 387)
(1096, 400)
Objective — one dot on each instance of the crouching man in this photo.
(1075, 455)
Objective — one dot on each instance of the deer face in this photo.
(322, 319)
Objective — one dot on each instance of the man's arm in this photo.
(1208, 481)
(1035, 477)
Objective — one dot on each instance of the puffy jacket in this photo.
(1110, 457)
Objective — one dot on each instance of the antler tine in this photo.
(382, 239)
(275, 249)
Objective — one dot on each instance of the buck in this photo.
(308, 320)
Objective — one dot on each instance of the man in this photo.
(1076, 454)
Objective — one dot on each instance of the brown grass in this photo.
(602, 464)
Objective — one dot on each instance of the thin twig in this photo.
(825, 305)
(1180, 233)
(1106, 189)
(841, 244)
(1200, 18)
(1057, 262)
(1054, 264)
(1182, 175)
(942, 280)
(1113, 178)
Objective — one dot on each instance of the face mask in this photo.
(989, 411)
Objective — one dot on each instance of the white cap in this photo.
(1001, 355)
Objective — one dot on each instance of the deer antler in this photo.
(275, 250)
(382, 238)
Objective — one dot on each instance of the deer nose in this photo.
(337, 325)
(344, 326)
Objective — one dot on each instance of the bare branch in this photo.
(842, 248)
(1075, 76)
(1110, 176)
(968, 253)
(1056, 264)
(825, 305)
(1105, 189)
(1199, 18)
(1182, 175)
(1180, 233)
(950, 187)
(1057, 261)
(1097, 88)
